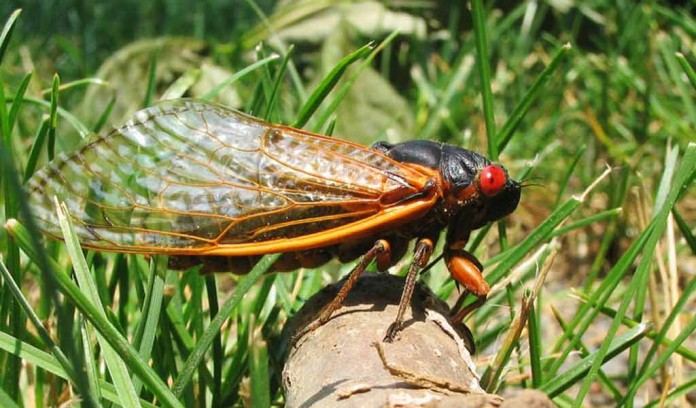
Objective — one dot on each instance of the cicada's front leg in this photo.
(467, 271)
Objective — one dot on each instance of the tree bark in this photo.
(345, 363)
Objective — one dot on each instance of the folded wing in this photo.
(187, 177)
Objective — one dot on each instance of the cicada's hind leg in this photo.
(467, 271)
(380, 251)
(463, 312)
(422, 253)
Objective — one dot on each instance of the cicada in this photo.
(207, 184)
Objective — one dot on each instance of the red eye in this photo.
(492, 180)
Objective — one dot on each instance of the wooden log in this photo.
(345, 363)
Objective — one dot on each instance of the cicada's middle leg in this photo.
(421, 255)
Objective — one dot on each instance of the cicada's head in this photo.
(478, 191)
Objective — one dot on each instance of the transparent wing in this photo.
(186, 176)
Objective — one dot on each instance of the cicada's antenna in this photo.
(530, 182)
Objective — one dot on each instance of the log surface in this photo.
(345, 363)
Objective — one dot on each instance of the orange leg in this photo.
(464, 312)
(424, 249)
(466, 270)
(380, 249)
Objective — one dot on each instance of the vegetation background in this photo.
(558, 91)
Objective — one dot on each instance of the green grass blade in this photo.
(682, 175)
(177, 320)
(291, 13)
(6, 33)
(90, 369)
(66, 367)
(83, 82)
(58, 355)
(532, 95)
(664, 186)
(440, 102)
(329, 82)
(196, 357)
(53, 119)
(535, 348)
(586, 222)
(6, 400)
(280, 74)
(643, 278)
(152, 307)
(17, 99)
(343, 90)
(619, 189)
(491, 377)
(685, 230)
(117, 367)
(240, 74)
(584, 316)
(569, 173)
(101, 121)
(562, 382)
(36, 149)
(49, 363)
(687, 331)
(688, 69)
(15, 323)
(685, 352)
(235, 372)
(266, 25)
(68, 117)
(33, 355)
(106, 329)
(484, 70)
(218, 356)
(686, 93)
(585, 352)
(182, 84)
(258, 369)
(679, 391)
(151, 80)
(264, 80)
(647, 371)
(539, 235)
